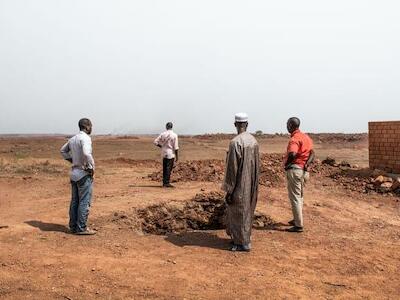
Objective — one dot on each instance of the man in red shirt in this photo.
(300, 155)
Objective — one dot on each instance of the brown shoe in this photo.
(86, 232)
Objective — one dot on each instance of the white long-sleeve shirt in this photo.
(168, 140)
(79, 149)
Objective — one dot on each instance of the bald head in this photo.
(293, 124)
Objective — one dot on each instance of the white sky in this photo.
(131, 66)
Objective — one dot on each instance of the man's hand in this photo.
(309, 161)
(90, 172)
(290, 159)
(307, 167)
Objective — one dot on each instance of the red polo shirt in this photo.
(301, 144)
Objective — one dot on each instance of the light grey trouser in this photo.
(296, 180)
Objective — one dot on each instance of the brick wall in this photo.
(384, 146)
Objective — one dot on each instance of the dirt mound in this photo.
(271, 170)
(197, 170)
(203, 212)
(272, 174)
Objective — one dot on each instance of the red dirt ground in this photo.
(349, 250)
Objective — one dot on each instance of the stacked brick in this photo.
(384, 146)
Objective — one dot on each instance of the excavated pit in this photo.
(203, 212)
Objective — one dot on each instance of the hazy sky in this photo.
(131, 66)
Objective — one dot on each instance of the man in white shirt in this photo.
(78, 151)
(168, 142)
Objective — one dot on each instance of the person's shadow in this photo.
(48, 226)
(199, 239)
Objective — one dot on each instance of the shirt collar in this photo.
(295, 132)
(83, 132)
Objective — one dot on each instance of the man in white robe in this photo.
(241, 185)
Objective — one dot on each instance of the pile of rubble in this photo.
(366, 181)
(384, 184)
(356, 179)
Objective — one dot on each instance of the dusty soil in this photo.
(350, 249)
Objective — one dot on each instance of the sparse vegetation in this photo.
(41, 167)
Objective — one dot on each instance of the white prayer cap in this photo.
(241, 118)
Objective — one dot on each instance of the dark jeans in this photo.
(168, 164)
(80, 203)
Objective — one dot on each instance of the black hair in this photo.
(83, 123)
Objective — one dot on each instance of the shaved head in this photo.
(293, 124)
(169, 125)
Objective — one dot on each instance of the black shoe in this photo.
(241, 248)
(292, 223)
(295, 229)
(168, 185)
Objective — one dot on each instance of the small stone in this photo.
(345, 163)
(385, 187)
(377, 173)
(382, 179)
(396, 184)
(171, 261)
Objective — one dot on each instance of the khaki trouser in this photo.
(296, 180)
